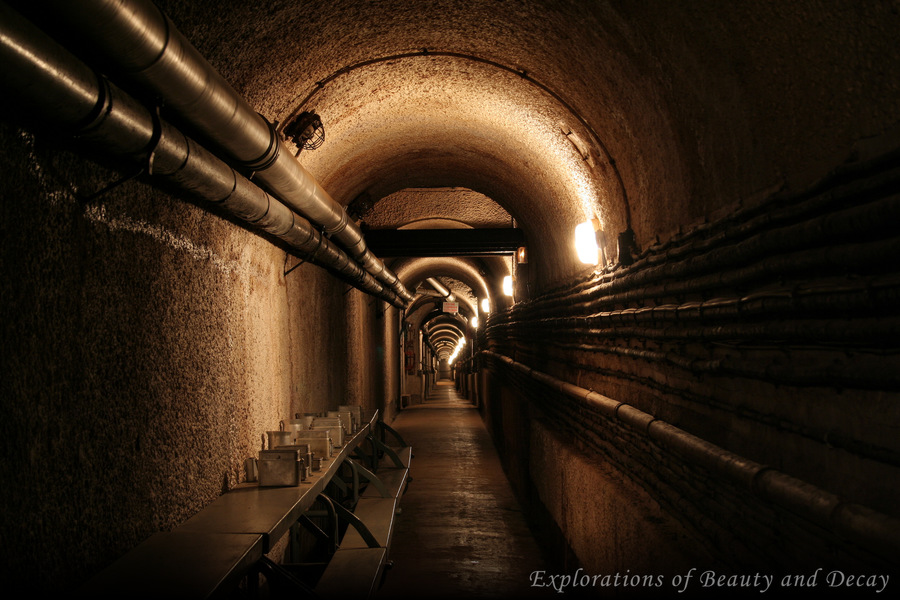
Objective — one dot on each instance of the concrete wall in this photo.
(147, 347)
(785, 358)
(589, 511)
(612, 525)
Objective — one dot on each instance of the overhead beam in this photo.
(445, 242)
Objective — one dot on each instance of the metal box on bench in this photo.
(332, 423)
(305, 457)
(320, 442)
(280, 468)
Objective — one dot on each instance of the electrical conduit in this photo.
(145, 45)
(55, 84)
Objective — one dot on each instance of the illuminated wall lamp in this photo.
(590, 242)
(508, 285)
(522, 255)
(485, 305)
(457, 350)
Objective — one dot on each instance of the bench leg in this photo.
(281, 581)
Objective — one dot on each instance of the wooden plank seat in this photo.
(179, 565)
(393, 478)
(393, 481)
(405, 455)
(356, 570)
(378, 515)
(353, 573)
(211, 552)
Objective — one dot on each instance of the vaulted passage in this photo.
(649, 249)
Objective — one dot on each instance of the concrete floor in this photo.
(461, 533)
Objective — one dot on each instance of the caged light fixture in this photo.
(306, 131)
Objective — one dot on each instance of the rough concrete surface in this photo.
(148, 343)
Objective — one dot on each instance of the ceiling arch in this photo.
(434, 208)
(581, 144)
(443, 127)
(443, 327)
(484, 276)
(439, 317)
(697, 104)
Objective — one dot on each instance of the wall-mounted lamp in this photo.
(457, 350)
(485, 305)
(474, 322)
(508, 285)
(306, 131)
(522, 255)
(590, 242)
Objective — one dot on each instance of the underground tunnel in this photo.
(220, 216)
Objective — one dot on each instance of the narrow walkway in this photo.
(461, 533)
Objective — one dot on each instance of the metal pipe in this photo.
(145, 45)
(868, 528)
(441, 288)
(65, 91)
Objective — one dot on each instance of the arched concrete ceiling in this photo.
(445, 336)
(435, 208)
(445, 121)
(420, 306)
(466, 270)
(463, 293)
(430, 307)
(443, 330)
(424, 305)
(441, 326)
(700, 104)
(439, 322)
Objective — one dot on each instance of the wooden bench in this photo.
(209, 554)
(179, 565)
(378, 515)
(356, 565)
(365, 566)
(392, 477)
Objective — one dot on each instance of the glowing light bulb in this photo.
(485, 305)
(459, 346)
(508, 285)
(586, 243)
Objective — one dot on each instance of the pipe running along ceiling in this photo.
(146, 48)
(64, 91)
(648, 116)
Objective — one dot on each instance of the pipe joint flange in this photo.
(262, 216)
(98, 113)
(234, 177)
(270, 156)
(757, 486)
(341, 225)
(313, 255)
(153, 144)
